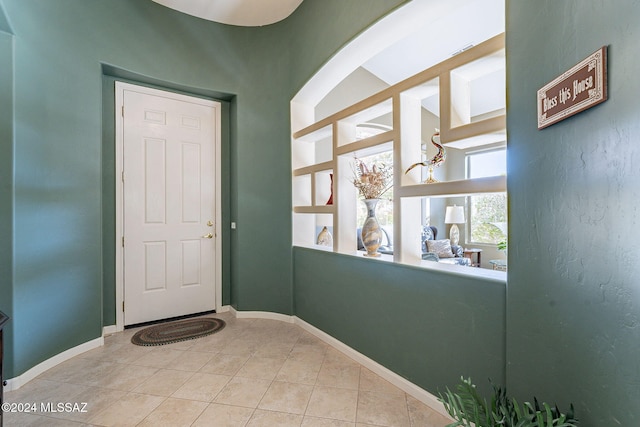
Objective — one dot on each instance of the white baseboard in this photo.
(108, 330)
(19, 381)
(402, 383)
(395, 379)
(223, 308)
(262, 315)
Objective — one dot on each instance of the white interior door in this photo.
(169, 204)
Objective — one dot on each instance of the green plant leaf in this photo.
(469, 409)
(550, 416)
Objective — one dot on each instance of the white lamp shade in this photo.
(454, 215)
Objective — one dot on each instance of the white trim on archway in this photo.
(383, 34)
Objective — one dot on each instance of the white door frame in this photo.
(120, 88)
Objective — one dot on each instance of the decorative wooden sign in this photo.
(576, 90)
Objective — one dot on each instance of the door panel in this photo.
(169, 206)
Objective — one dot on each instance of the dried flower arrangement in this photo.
(372, 181)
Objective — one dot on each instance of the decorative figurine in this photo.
(436, 161)
(325, 238)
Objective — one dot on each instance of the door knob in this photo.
(208, 236)
(210, 224)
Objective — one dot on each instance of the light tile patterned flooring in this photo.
(252, 373)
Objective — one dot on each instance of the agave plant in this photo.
(469, 409)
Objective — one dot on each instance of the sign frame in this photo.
(581, 87)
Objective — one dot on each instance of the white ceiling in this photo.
(246, 13)
(451, 28)
(445, 28)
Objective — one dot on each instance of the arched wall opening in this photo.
(428, 19)
(351, 297)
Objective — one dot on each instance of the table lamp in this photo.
(454, 215)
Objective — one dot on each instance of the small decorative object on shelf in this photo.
(435, 161)
(325, 238)
(371, 231)
(330, 201)
(371, 182)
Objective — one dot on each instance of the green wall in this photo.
(59, 204)
(571, 308)
(322, 27)
(409, 320)
(65, 51)
(428, 327)
(573, 299)
(6, 176)
(573, 304)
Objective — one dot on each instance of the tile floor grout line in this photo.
(304, 364)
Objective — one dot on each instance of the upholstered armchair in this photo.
(441, 250)
(432, 249)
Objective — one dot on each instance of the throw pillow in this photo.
(442, 248)
(427, 234)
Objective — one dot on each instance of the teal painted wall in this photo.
(62, 274)
(573, 300)
(409, 320)
(428, 327)
(65, 54)
(573, 304)
(6, 178)
(323, 27)
(5, 26)
(57, 246)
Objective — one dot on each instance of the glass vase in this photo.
(371, 231)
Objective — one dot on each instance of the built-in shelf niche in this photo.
(405, 116)
(473, 90)
(308, 226)
(313, 148)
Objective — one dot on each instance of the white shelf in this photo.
(327, 147)
(327, 209)
(307, 170)
(494, 184)
(368, 144)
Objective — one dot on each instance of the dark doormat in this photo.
(181, 330)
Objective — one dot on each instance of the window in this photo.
(487, 212)
(403, 124)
